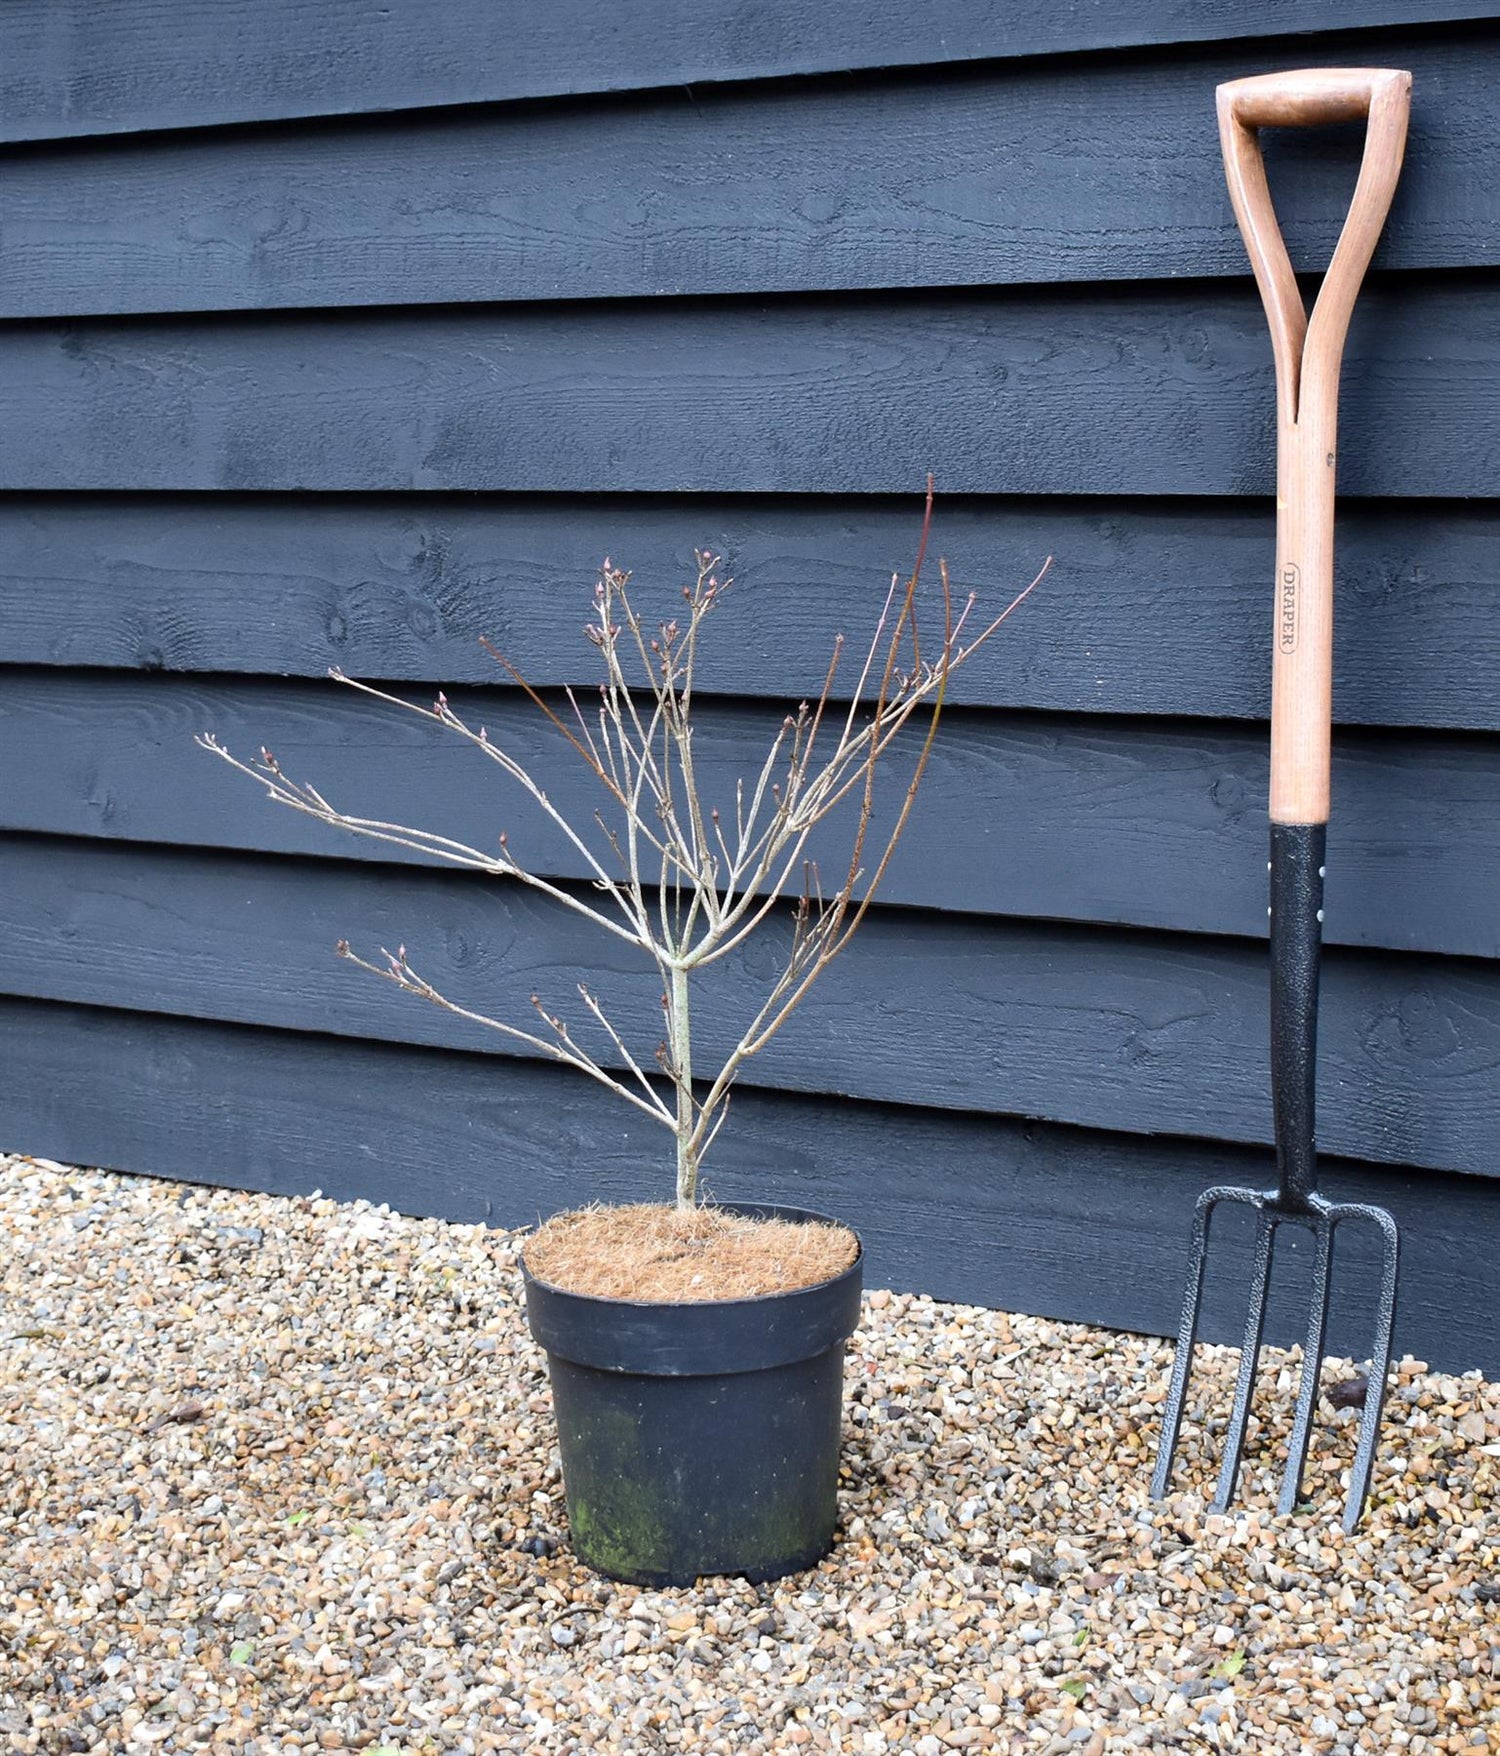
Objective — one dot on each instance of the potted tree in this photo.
(695, 1349)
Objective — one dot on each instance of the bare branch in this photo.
(560, 1047)
(594, 1006)
(685, 888)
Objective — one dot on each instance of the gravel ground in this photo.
(278, 1475)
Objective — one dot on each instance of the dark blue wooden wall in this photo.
(335, 334)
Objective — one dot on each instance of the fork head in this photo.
(1322, 1218)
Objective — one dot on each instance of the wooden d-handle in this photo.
(1308, 353)
(1309, 96)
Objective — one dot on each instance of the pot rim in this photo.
(770, 1208)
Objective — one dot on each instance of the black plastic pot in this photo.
(700, 1438)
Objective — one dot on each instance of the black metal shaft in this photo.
(1297, 854)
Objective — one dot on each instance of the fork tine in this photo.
(1312, 1367)
(1380, 1358)
(1187, 1336)
(1244, 1388)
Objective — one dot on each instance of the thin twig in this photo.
(683, 890)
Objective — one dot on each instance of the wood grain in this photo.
(1149, 608)
(459, 356)
(1159, 391)
(1101, 1028)
(1011, 174)
(1060, 1222)
(73, 67)
(1079, 818)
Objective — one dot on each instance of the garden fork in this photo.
(1308, 352)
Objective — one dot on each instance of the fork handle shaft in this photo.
(1308, 352)
(1297, 856)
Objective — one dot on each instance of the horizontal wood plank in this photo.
(1130, 1031)
(1154, 608)
(1017, 174)
(1054, 1221)
(73, 67)
(1166, 390)
(1073, 818)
